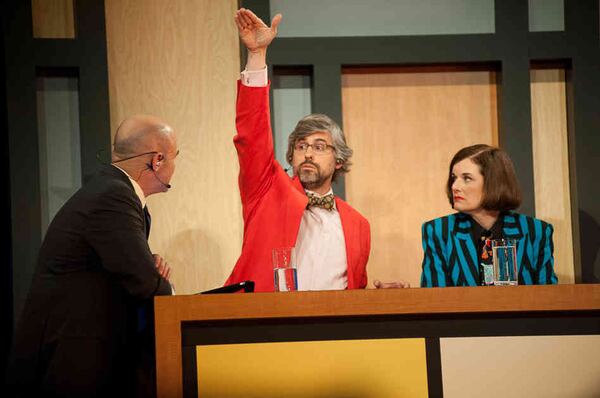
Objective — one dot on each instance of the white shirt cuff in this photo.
(255, 78)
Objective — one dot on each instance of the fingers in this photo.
(248, 18)
(238, 23)
(166, 271)
(252, 18)
(391, 285)
(162, 266)
(275, 23)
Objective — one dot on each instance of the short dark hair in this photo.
(501, 190)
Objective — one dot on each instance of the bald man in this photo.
(83, 331)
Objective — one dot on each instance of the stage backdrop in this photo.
(180, 60)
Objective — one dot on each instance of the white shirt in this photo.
(320, 244)
(321, 250)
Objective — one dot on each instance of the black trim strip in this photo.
(190, 371)
(435, 384)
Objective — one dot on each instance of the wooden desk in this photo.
(478, 311)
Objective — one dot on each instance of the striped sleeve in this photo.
(433, 274)
(545, 261)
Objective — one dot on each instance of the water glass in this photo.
(284, 269)
(504, 254)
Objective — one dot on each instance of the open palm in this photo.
(254, 33)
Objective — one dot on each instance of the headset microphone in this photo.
(149, 165)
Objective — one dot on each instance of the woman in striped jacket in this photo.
(482, 187)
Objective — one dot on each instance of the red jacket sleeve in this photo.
(254, 145)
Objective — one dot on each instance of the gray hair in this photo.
(319, 122)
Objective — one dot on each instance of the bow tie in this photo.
(326, 202)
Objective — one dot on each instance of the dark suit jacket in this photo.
(451, 258)
(77, 331)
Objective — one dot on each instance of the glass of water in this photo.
(284, 269)
(504, 254)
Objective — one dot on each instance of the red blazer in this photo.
(273, 203)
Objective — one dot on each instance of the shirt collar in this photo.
(136, 187)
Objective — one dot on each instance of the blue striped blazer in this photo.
(451, 258)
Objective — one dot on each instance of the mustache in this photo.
(311, 163)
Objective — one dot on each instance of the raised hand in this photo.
(254, 33)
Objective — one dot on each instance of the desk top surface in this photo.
(455, 300)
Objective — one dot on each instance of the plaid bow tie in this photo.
(326, 202)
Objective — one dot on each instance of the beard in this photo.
(310, 178)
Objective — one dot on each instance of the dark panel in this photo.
(94, 112)
(581, 23)
(548, 45)
(55, 52)
(6, 273)
(434, 367)
(383, 327)
(190, 371)
(23, 55)
(384, 50)
(261, 8)
(514, 100)
(326, 97)
(22, 145)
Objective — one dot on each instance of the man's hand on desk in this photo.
(390, 285)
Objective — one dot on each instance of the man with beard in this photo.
(332, 240)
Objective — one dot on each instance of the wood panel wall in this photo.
(405, 126)
(179, 59)
(52, 19)
(551, 164)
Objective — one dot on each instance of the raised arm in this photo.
(254, 141)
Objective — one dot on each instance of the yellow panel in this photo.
(53, 19)
(349, 368)
(404, 129)
(179, 60)
(551, 164)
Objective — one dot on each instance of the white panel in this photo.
(319, 18)
(59, 143)
(525, 366)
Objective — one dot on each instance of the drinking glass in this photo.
(284, 269)
(504, 254)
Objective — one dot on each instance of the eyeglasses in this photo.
(319, 148)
